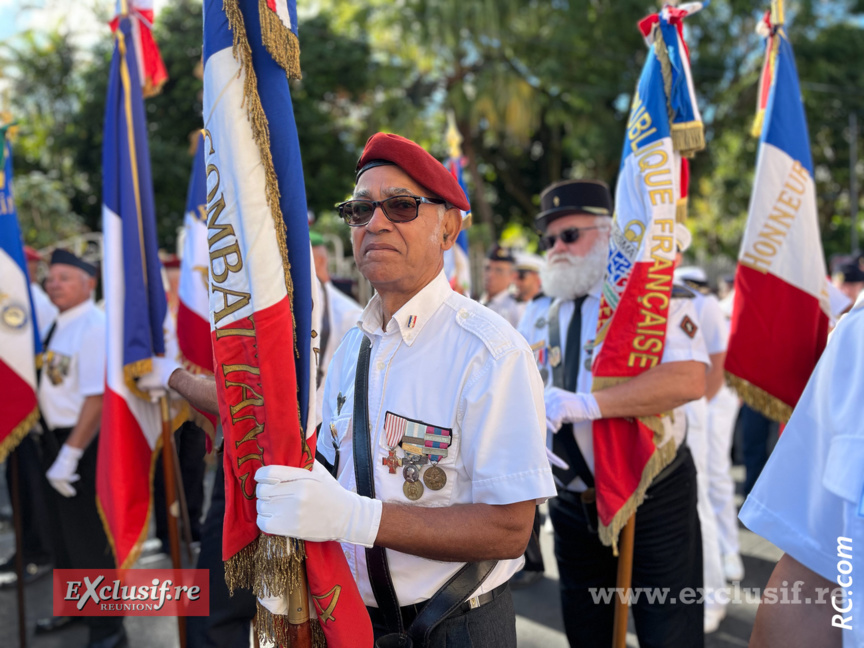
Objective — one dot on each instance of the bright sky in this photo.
(19, 15)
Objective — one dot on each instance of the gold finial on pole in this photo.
(778, 16)
(454, 137)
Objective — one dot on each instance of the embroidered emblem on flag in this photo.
(689, 327)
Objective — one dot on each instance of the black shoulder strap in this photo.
(376, 557)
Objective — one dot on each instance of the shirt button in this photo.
(463, 314)
(380, 366)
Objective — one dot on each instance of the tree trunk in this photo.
(480, 207)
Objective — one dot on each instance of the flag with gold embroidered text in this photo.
(261, 287)
(664, 125)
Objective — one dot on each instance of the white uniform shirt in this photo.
(712, 321)
(506, 306)
(811, 492)
(46, 311)
(680, 346)
(344, 313)
(73, 365)
(447, 362)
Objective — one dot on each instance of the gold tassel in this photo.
(239, 568)
(281, 42)
(759, 399)
(277, 563)
(18, 432)
(688, 137)
(274, 628)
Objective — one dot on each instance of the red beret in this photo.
(416, 162)
(31, 255)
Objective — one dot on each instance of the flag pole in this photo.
(19, 545)
(622, 583)
(171, 500)
(181, 501)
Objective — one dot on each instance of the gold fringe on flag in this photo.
(139, 543)
(273, 627)
(280, 42)
(759, 399)
(18, 432)
(269, 566)
(661, 458)
(135, 370)
(681, 211)
(688, 137)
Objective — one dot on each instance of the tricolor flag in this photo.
(152, 74)
(19, 335)
(261, 305)
(135, 307)
(664, 124)
(781, 310)
(457, 264)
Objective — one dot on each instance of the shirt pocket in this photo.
(844, 469)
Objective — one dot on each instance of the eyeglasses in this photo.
(397, 209)
(521, 274)
(569, 235)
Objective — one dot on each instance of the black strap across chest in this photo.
(456, 590)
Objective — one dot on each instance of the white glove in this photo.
(556, 461)
(157, 380)
(563, 406)
(274, 604)
(61, 474)
(313, 506)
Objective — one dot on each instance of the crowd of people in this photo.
(504, 388)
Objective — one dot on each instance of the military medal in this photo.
(394, 428)
(413, 490)
(589, 350)
(340, 401)
(437, 440)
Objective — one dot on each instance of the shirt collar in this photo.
(412, 317)
(74, 312)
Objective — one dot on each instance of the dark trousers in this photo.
(32, 489)
(667, 554)
(490, 626)
(230, 616)
(191, 447)
(79, 536)
(756, 433)
(533, 555)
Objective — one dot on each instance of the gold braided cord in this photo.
(280, 42)
(18, 432)
(662, 55)
(759, 120)
(759, 399)
(135, 370)
(135, 552)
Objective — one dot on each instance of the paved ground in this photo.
(539, 623)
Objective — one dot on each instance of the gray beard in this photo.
(575, 276)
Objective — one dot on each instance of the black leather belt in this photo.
(410, 612)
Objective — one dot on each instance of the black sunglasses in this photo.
(569, 235)
(398, 209)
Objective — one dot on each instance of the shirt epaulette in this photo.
(680, 292)
(477, 320)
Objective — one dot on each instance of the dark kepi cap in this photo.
(589, 197)
(498, 253)
(67, 258)
(852, 273)
(413, 159)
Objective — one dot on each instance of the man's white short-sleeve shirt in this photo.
(450, 363)
(73, 365)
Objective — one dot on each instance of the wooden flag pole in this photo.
(299, 626)
(625, 578)
(171, 500)
(19, 545)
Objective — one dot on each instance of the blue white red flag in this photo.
(663, 126)
(781, 309)
(19, 335)
(261, 291)
(151, 70)
(135, 307)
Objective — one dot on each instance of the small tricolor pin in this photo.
(412, 320)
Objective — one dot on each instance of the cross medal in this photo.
(391, 461)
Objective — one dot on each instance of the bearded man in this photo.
(576, 222)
